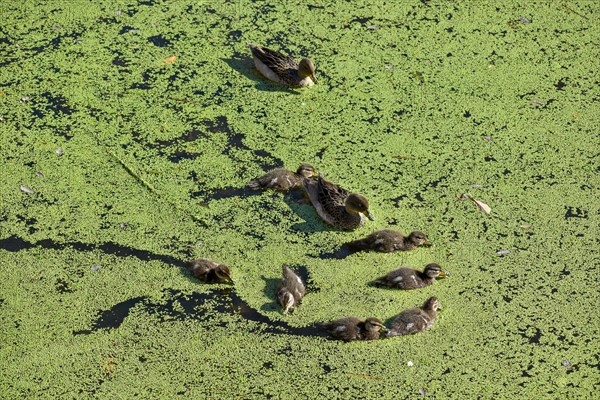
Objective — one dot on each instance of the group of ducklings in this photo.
(342, 210)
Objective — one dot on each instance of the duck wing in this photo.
(280, 64)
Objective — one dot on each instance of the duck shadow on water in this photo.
(245, 65)
(269, 291)
(175, 305)
(302, 207)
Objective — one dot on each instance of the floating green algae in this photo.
(416, 103)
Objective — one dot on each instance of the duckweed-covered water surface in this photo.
(130, 129)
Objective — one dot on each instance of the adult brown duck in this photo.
(283, 69)
(337, 206)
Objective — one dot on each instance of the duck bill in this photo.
(227, 278)
(427, 243)
(313, 78)
(442, 275)
(370, 215)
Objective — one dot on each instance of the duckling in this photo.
(414, 320)
(210, 271)
(290, 289)
(352, 328)
(388, 240)
(282, 179)
(283, 69)
(336, 206)
(408, 278)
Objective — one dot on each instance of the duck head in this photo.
(223, 273)
(357, 203)
(434, 271)
(306, 171)
(307, 69)
(418, 238)
(374, 325)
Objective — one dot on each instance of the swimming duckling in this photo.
(336, 206)
(210, 271)
(409, 278)
(283, 179)
(352, 328)
(415, 320)
(290, 289)
(283, 69)
(389, 240)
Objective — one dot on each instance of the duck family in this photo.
(342, 210)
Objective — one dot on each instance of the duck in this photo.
(389, 240)
(283, 69)
(290, 290)
(409, 278)
(352, 328)
(336, 206)
(210, 271)
(282, 179)
(414, 320)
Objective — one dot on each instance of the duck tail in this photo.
(391, 333)
(254, 185)
(358, 245)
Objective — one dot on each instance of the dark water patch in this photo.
(119, 62)
(235, 34)
(436, 182)
(560, 85)
(575, 212)
(48, 103)
(62, 286)
(398, 199)
(419, 198)
(159, 41)
(14, 244)
(235, 140)
(268, 365)
(219, 124)
(536, 337)
(148, 3)
(126, 29)
(178, 155)
(193, 135)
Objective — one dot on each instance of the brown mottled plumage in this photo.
(283, 179)
(409, 278)
(352, 328)
(414, 320)
(283, 69)
(290, 289)
(336, 206)
(210, 271)
(389, 240)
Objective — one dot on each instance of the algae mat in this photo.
(128, 132)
